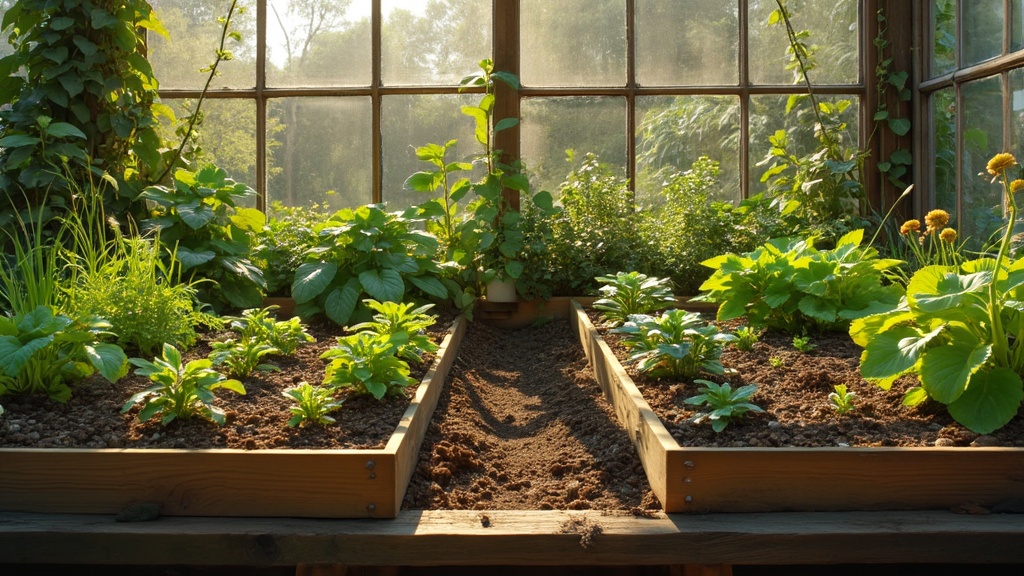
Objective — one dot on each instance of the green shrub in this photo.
(311, 404)
(280, 246)
(677, 344)
(395, 318)
(725, 403)
(258, 324)
(629, 293)
(366, 363)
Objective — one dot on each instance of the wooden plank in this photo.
(405, 442)
(436, 538)
(333, 483)
(298, 483)
(645, 430)
(774, 479)
(706, 480)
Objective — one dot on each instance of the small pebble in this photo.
(774, 425)
(985, 441)
(945, 442)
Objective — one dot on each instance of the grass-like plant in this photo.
(629, 293)
(677, 344)
(179, 390)
(243, 357)
(841, 399)
(312, 404)
(366, 363)
(726, 405)
(396, 317)
(261, 324)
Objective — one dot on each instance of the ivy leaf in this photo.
(899, 126)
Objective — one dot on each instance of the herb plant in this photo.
(803, 344)
(959, 330)
(179, 390)
(677, 344)
(312, 404)
(726, 404)
(366, 363)
(280, 247)
(792, 286)
(396, 318)
(841, 399)
(259, 324)
(746, 337)
(629, 293)
(776, 362)
(42, 352)
(243, 357)
(366, 251)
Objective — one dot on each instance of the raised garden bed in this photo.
(749, 479)
(336, 483)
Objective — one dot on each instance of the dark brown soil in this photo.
(793, 389)
(93, 418)
(522, 425)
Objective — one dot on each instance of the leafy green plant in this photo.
(726, 405)
(200, 218)
(366, 251)
(82, 101)
(776, 362)
(841, 399)
(312, 404)
(243, 357)
(959, 330)
(789, 285)
(281, 246)
(259, 324)
(366, 363)
(395, 318)
(42, 352)
(803, 344)
(629, 293)
(677, 344)
(746, 337)
(179, 390)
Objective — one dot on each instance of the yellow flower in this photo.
(1016, 186)
(936, 219)
(948, 235)
(910, 226)
(1001, 162)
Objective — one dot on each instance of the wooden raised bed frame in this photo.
(806, 479)
(279, 482)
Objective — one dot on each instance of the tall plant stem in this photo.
(221, 56)
(1000, 345)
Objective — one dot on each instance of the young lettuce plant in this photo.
(789, 285)
(395, 318)
(959, 329)
(841, 399)
(725, 403)
(746, 337)
(366, 363)
(677, 344)
(629, 293)
(312, 405)
(179, 390)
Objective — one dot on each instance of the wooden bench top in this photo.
(425, 538)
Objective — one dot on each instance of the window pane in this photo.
(551, 126)
(194, 39)
(408, 122)
(318, 43)
(1017, 25)
(983, 138)
(983, 30)
(227, 135)
(943, 17)
(943, 116)
(768, 114)
(5, 47)
(319, 151)
(431, 43)
(1017, 107)
(703, 52)
(673, 132)
(833, 36)
(586, 49)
